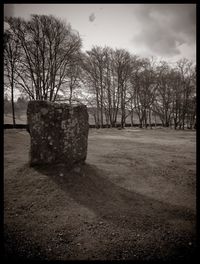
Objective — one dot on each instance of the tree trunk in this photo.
(183, 124)
(12, 97)
(95, 120)
(150, 119)
(122, 118)
(132, 118)
(97, 117)
(145, 119)
(140, 124)
(101, 123)
(175, 121)
(107, 118)
(70, 95)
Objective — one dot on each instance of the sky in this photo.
(164, 31)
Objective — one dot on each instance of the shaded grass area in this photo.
(129, 201)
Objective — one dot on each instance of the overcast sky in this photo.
(166, 31)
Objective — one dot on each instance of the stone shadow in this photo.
(89, 186)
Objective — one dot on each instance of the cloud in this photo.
(92, 17)
(164, 28)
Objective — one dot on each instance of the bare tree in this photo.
(49, 45)
(11, 60)
(144, 87)
(124, 84)
(93, 65)
(188, 77)
(177, 94)
(163, 102)
(132, 88)
(122, 66)
(107, 73)
(73, 79)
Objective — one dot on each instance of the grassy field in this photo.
(135, 198)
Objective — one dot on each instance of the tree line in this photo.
(43, 59)
(20, 106)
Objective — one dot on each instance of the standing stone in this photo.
(59, 133)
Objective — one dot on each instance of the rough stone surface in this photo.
(59, 133)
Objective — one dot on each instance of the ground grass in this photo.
(19, 119)
(133, 199)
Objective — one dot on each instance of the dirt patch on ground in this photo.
(133, 199)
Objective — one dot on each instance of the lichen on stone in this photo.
(59, 133)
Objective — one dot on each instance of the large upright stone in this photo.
(59, 133)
